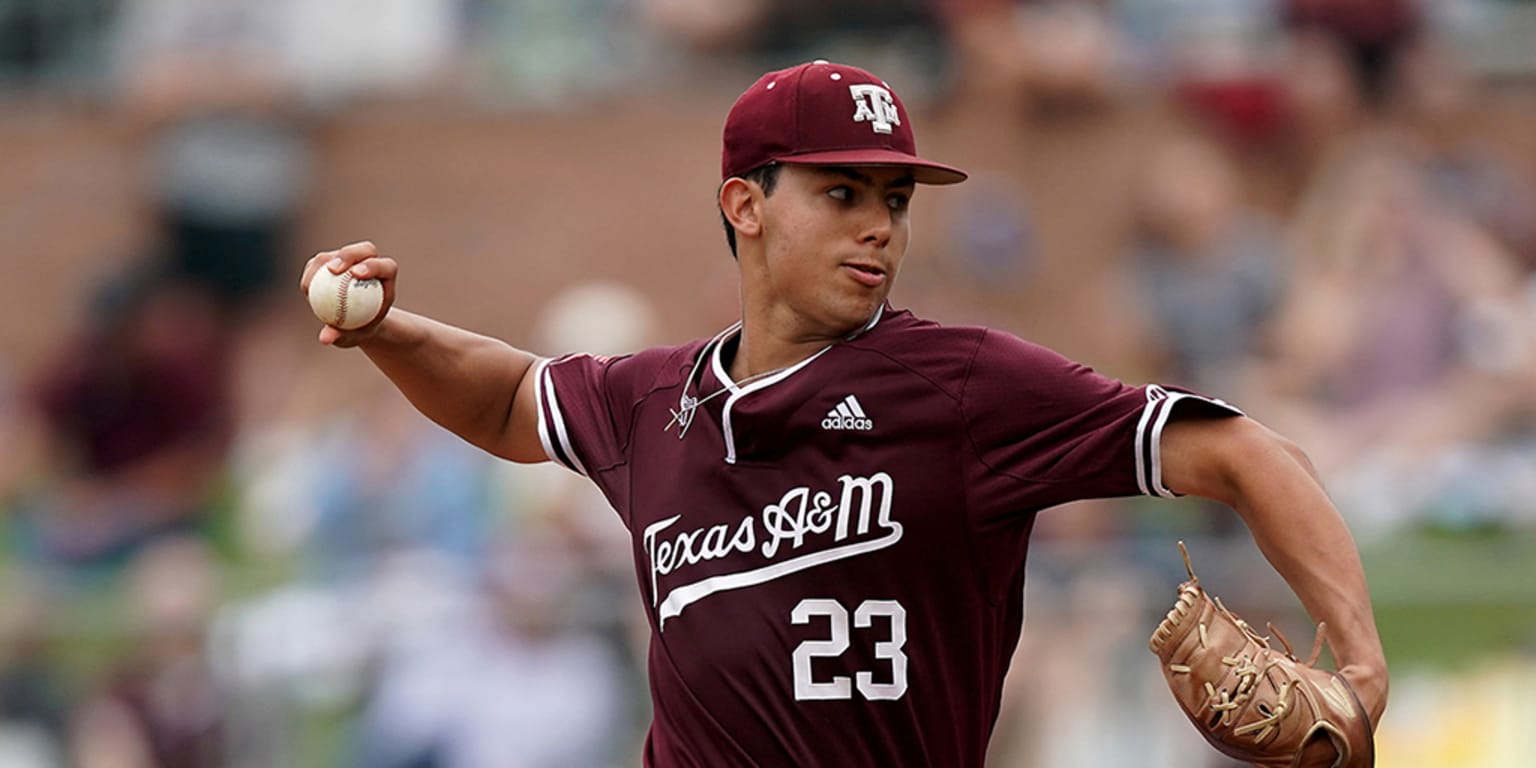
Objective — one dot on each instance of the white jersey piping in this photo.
(737, 392)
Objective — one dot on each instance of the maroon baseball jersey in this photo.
(832, 556)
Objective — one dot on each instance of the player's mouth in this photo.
(867, 274)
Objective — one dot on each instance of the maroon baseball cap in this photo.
(822, 113)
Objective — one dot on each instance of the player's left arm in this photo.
(1274, 487)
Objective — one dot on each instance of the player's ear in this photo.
(741, 202)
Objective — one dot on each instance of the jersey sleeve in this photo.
(575, 421)
(1048, 430)
(585, 403)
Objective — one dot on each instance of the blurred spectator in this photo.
(225, 186)
(1322, 98)
(1079, 671)
(598, 318)
(532, 53)
(224, 52)
(136, 411)
(1056, 56)
(32, 691)
(1406, 330)
(706, 26)
(513, 685)
(163, 707)
(1220, 59)
(992, 232)
(1206, 268)
(283, 393)
(791, 31)
(1373, 34)
(18, 441)
(382, 520)
(404, 484)
(898, 37)
(1439, 102)
(54, 43)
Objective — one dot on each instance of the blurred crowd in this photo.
(219, 548)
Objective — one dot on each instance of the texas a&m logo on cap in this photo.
(874, 104)
(801, 116)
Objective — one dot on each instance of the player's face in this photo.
(833, 241)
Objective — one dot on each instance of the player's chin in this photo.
(855, 311)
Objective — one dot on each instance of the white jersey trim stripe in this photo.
(873, 321)
(1155, 395)
(551, 407)
(1149, 436)
(738, 392)
(1155, 472)
(538, 404)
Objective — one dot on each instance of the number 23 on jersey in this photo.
(889, 615)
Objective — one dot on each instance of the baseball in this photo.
(344, 301)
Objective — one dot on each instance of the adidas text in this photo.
(847, 422)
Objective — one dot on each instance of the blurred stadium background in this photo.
(222, 545)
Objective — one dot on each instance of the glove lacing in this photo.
(1249, 670)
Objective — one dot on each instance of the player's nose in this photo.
(876, 223)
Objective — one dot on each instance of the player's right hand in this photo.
(363, 259)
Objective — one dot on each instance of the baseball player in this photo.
(829, 502)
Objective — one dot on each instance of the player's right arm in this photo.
(479, 388)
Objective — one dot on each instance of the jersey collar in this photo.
(689, 402)
(715, 349)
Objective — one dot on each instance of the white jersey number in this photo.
(840, 687)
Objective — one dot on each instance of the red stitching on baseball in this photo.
(341, 298)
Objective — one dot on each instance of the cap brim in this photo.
(923, 171)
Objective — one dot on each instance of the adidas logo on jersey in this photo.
(848, 415)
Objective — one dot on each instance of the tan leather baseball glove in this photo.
(1249, 700)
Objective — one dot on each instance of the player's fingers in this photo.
(384, 269)
(315, 263)
(338, 261)
(353, 253)
(379, 267)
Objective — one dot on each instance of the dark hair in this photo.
(767, 177)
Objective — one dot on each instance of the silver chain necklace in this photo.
(689, 404)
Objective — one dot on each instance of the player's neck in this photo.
(757, 353)
(776, 335)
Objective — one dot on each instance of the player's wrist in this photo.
(1370, 684)
(393, 330)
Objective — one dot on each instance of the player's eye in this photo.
(899, 201)
(841, 192)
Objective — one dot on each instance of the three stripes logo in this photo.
(848, 415)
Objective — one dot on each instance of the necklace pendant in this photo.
(690, 407)
(683, 417)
